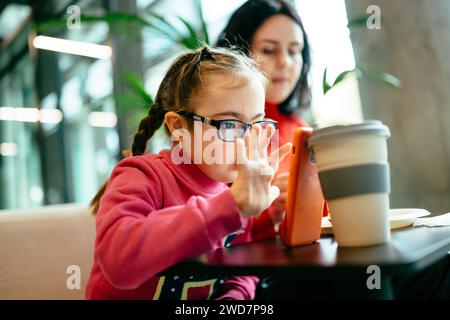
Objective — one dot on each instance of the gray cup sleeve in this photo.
(355, 180)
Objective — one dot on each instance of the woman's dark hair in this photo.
(186, 81)
(239, 33)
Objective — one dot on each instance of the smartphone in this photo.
(304, 202)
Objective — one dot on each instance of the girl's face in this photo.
(224, 99)
(277, 45)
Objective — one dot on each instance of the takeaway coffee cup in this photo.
(352, 162)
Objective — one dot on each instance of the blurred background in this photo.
(77, 76)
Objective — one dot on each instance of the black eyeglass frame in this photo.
(217, 123)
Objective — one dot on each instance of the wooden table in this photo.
(410, 250)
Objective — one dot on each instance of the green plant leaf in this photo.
(192, 41)
(357, 22)
(117, 18)
(135, 83)
(362, 73)
(325, 84)
(342, 76)
(203, 22)
(112, 18)
(166, 28)
(382, 77)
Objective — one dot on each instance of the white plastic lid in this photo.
(372, 127)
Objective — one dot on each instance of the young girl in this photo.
(157, 210)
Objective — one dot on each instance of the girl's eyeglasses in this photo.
(229, 129)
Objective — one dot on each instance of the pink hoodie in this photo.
(155, 214)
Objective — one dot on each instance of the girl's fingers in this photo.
(241, 152)
(278, 155)
(255, 135)
(247, 146)
(266, 135)
(262, 143)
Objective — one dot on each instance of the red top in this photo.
(154, 214)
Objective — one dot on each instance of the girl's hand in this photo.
(278, 207)
(253, 189)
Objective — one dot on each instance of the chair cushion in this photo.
(37, 246)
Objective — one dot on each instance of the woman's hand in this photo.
(253, 189)
(278, 206)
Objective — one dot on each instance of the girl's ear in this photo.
(174, 121)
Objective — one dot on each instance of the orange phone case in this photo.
(304, 202)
